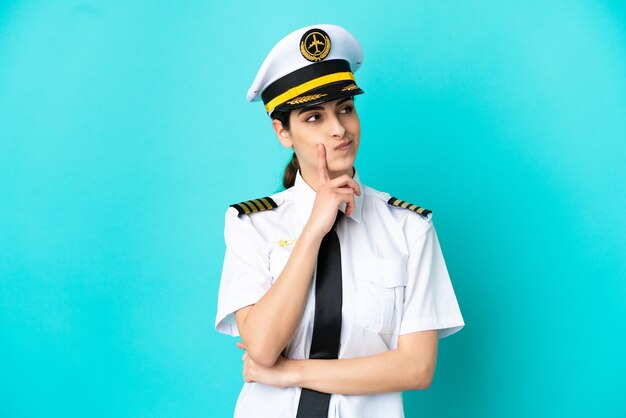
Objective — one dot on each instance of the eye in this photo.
(346, 109)
(313, 117)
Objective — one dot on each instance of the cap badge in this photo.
(315, 45)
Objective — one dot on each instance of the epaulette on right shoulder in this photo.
(410, 206)
(255, 205)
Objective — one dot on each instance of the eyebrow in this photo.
(306, 109)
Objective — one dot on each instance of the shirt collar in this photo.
(304, 197)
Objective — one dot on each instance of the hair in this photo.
(291, 170)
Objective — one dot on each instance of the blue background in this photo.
(125, 134)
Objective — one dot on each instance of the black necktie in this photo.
(327, 320)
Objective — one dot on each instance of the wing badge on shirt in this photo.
(286, 242)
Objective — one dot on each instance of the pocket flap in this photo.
(381, 271)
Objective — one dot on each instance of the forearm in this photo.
(268, 326)
(385, 372)
(410, 366)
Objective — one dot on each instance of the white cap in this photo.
(311, 65)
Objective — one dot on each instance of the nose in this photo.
(336, 128)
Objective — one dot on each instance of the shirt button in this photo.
(387, 279)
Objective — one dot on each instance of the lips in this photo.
(344, 145)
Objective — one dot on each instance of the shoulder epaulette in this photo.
(410, 206)
(255, 205)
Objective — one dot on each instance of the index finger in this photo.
(322, 167)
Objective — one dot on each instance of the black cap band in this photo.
(303, 75)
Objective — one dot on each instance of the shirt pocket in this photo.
(380, 287)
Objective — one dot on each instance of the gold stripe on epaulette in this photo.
(243, 209)
(255, 205)
(267, 204)
(410, 206)
(259, 205)
(250, 206)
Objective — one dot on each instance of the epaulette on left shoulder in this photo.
(410, 206)
(255, 205)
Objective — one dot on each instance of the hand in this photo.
(330, 195)
(281, 375)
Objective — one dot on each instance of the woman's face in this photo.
(333, 124)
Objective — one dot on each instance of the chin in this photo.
(342, 167)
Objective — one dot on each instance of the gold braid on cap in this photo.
(305, 99)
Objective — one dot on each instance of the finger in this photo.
(322, 166)
(346, 181)
(345, 193)
(347, 197)
(350, 206)
(240, 345)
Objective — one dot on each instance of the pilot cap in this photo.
(312, 65)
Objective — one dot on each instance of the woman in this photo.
(338, 291)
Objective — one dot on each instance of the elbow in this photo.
(423, 383)
(263, 359)
(260, 348)
(262, 355)
(421, 378)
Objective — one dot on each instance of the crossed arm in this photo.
(410, 367)
(268, 326)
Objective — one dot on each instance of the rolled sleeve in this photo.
(429, 302)
(245, 273)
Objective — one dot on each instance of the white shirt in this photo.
(395, 282)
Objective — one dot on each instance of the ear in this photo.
(282, 134)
